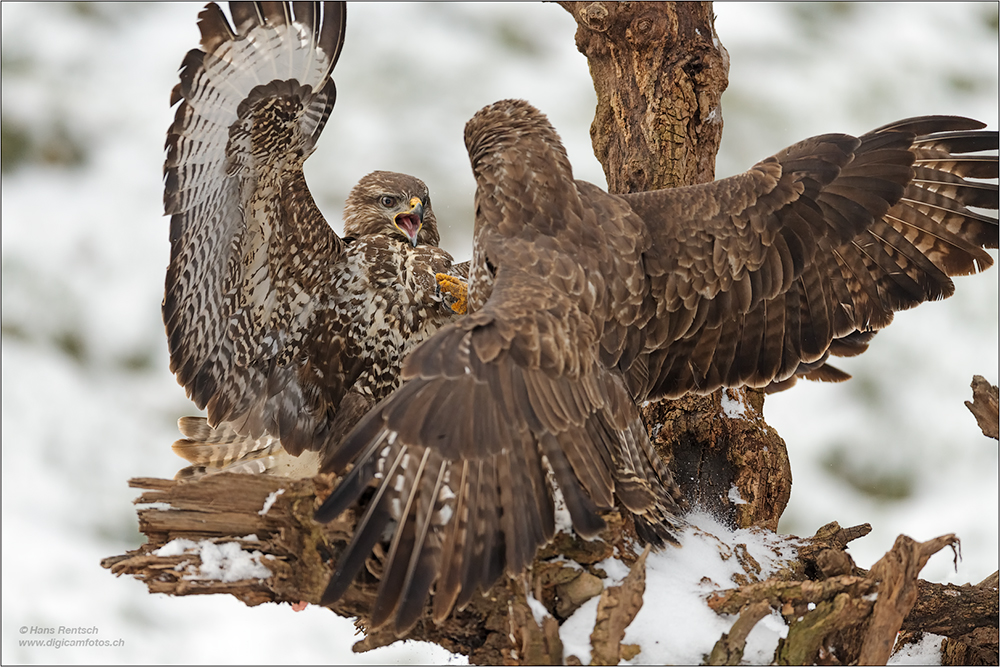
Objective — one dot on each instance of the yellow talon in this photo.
(457, 289)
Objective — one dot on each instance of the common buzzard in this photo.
(582, 303)
(286, 332)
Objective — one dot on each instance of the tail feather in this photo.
(223, 449)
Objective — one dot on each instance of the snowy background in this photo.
(87, 398)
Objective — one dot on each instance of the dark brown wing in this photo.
(252, 258)
(759, 277)
(460, 454)
(515, 398)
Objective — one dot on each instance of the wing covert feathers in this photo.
(827, 239)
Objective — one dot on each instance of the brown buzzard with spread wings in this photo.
(286, 332)
(582, 303)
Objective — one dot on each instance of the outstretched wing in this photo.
(761, 276)
(251, 256)
(464, 455)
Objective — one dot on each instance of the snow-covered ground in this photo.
(87, 398)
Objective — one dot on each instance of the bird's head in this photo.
(395, 205)
(519, 162)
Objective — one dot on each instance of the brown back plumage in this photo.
(275, 324)
(583, 303)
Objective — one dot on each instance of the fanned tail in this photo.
(223, 449)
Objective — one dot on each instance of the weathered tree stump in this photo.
(270, 520)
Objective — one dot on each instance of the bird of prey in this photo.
(582, 303)
(286, 332)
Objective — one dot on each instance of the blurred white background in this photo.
(87, 398)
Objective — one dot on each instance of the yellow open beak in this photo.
(411, 221)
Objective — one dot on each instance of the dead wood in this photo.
(535, 644)
(966, 615)
(978, 647)
(615, 611)
(729, 649)
(300, 555)
(726, 461)
(851, 615)
(659, 73)
(896, 573)
(829, 610)
(984, 406)
(953, 611)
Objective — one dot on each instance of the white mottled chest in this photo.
(388, 300)
(390, 285)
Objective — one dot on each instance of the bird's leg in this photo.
(457, 291)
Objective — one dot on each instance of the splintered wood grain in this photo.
(224, 508)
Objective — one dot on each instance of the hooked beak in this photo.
(411, 221)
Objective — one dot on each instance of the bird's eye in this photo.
(387, 201)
